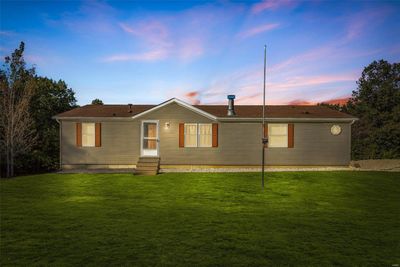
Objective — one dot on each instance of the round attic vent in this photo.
(336, 129)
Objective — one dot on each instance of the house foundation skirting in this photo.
(97, 166)
(200, 168)
(204, 168)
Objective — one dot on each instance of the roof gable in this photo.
(180, 103)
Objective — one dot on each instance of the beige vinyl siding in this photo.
(238, 143)
(120, 144)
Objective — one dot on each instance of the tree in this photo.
(376, 103)
(97, 102)
(51, 98)
(17, 134)
(36, 100)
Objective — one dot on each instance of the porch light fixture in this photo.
(167, 125)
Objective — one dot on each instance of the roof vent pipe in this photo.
(130, 108)
(231, 105)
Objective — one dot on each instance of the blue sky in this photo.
(200, 51)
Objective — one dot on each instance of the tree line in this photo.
(29, 137)
(376, 103)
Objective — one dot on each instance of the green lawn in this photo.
(301, 218)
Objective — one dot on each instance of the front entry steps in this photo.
(148, 166)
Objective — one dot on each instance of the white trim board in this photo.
(180, 103)
(289, 119)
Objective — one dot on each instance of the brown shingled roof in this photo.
(105, 111)
(283, 111)
(242, 111)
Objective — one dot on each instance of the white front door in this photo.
(149, 138)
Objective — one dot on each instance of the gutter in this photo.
(93, 118)
(352, 120)
(221, 119)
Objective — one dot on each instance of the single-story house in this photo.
(177, 134)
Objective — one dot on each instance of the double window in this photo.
(198, 134)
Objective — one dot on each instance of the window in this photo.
(277, 135)
(198, 135)
(205, 135)
(88, 134)
(190, 134)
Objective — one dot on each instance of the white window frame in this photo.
(269, 134)
(198, 134)
(84, 125)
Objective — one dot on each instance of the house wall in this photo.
(119, 145)
(238, 143)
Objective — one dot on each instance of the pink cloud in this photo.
(280, 88)
(257, 30)
(152, 55)
(301, 102)
(334, 101)
(307, 81)
(362, 22)
(271, 5)
(192, 97)
(316, 54)
(153, 32)
(338, 101)
(154, 37)
(160, 43)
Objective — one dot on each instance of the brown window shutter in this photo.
(215, 135)
(181, 134)
(290, 135)
(97, 138)
(78, 134)
(266, 133)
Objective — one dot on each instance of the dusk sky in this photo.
(148, 52)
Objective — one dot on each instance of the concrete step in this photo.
(147, 168)
(146, 172)
(147, 164)
(149, 159)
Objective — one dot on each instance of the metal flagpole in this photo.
(264, 138)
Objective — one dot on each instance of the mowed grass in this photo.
(193, 219)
